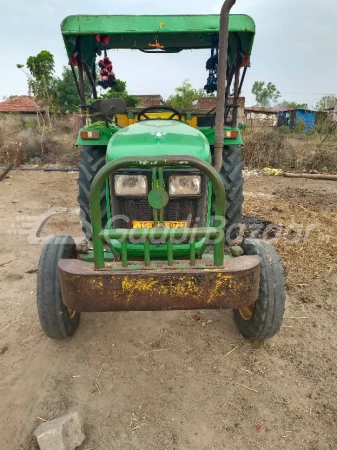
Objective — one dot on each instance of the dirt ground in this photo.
(165, 380)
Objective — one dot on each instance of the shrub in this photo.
(299, 127)
(25, 141)
(276, 150)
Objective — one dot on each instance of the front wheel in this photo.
(57, 321)
(232, 178)
(263, 319)
(91, 162)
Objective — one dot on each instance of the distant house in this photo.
(332, 112)
(257, 118)
(149, 100)
(291, 117)
(206, 104)
(23, 104)
(201, 108)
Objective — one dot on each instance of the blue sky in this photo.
(295, 45)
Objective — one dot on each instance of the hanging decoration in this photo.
(74, 61)
(245, 60)
(108, 78)
(107, 75)
(212, 65)
(102, 38)
(157, 44)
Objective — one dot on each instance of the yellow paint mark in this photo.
(98, 285)
(182, 287)
(222, 283)
(162, 25)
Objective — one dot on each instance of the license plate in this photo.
(171, 224)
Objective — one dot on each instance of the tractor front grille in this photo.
(127, 209)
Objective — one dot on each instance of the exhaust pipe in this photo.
(221, 92)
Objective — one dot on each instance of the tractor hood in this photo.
(158, 137)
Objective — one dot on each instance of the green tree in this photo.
(265, 94)
(185, 97)
(326, 103)
(293, 105)
(65, 91)
(120, 91)
(42, 81)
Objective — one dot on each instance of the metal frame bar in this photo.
(80, 73)
(91, 80)
(75, 78)
(158, 182)
(100, 235)
(236, 82)
(221, 94)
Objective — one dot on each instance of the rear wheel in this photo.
(91, 162)
(232, 177)
(263, 319)
(57, 321)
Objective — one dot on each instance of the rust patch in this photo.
(232, 286)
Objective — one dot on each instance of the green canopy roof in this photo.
(158, 33)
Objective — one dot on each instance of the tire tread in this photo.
(270, 306)
(91, 161)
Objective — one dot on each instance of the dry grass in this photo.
(308, 239)
(23, 140)
(273, 149)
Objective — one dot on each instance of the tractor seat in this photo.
(100, 110)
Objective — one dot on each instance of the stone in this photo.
(237, 251)
(4, 349)
(65, 433)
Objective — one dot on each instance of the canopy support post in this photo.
(221, 94)
(81, 80)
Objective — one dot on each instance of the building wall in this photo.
(257, 121)
(209, 103)
(149, 100)
(334, 114)
(241, 109)
(308, 117)
(291, 118)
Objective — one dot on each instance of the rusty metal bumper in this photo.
(234, 285)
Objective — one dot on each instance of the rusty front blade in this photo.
(234, 285)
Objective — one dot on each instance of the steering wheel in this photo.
(143, 112)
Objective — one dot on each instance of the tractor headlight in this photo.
(130, 185)
(185, 185)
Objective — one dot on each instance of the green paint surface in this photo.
(157, 138)
(138, 32)
(107, 133)
(104, 138)
(209, 133)
(158, 198)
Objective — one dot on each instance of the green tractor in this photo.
(161, 190)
